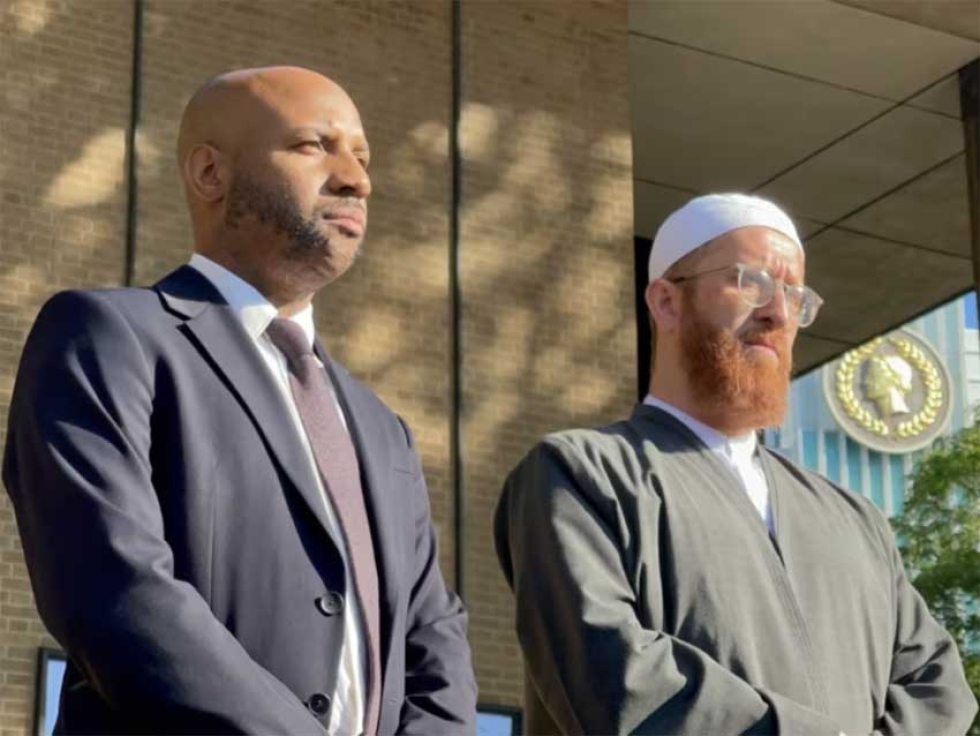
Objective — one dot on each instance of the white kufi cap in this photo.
(705, 218)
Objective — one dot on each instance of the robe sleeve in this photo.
(595, 666)
(927, 690)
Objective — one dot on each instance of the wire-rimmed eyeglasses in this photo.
(757, 287)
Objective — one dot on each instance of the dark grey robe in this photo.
(652, 599)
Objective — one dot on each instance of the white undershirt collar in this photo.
(253, 310)
(740, 448)
(737, 453)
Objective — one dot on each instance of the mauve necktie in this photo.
(337, 462)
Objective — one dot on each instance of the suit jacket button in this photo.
(318, 704)
(330, 604)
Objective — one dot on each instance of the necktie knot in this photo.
(290, 339)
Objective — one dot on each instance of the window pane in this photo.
(494, 724)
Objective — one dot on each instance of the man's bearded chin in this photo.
(728, 380)
(274, 207)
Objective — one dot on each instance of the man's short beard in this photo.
(275, 207)
(725, 379)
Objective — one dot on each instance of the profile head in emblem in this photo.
(888, 383)
(891, 394)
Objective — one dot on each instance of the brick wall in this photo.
(64, 107)
(545, 241)
(546, 263)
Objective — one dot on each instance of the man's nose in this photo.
(777, 311)
(348, 177)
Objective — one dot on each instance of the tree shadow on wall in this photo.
(546, 218)
(64, 114)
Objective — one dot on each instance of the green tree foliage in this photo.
(939, 533)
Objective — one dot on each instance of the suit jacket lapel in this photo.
(373, 459)
(220, 337)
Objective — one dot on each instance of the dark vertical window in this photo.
(641, 259)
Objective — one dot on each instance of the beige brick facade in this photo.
(546, 245)
(545, 236)
(64, 108)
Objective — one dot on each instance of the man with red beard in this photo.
(674, 577)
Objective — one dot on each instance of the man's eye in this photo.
(312, 144)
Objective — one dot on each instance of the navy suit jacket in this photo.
(176, 538)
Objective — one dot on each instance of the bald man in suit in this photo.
(225, 531)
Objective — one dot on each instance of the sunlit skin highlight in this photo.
(717, 359)
(274, 163)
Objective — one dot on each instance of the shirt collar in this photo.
(739, 449)
(253, 310)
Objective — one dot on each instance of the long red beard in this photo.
(735, 387)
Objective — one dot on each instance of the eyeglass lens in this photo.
(757, 288)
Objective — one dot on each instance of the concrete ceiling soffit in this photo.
(818, 39)
(867, 164)
(932, 212)
(810, 351)
(942, 97)
(871, 285)
(958, 17)
(704, 123)
(652, 203)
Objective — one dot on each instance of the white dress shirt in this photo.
(255, 313)
(737, 453)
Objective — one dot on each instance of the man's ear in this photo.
(664, 304)
(206, 173)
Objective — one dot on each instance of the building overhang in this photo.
(846, 114)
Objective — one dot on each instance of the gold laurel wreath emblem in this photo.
(865, 419)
